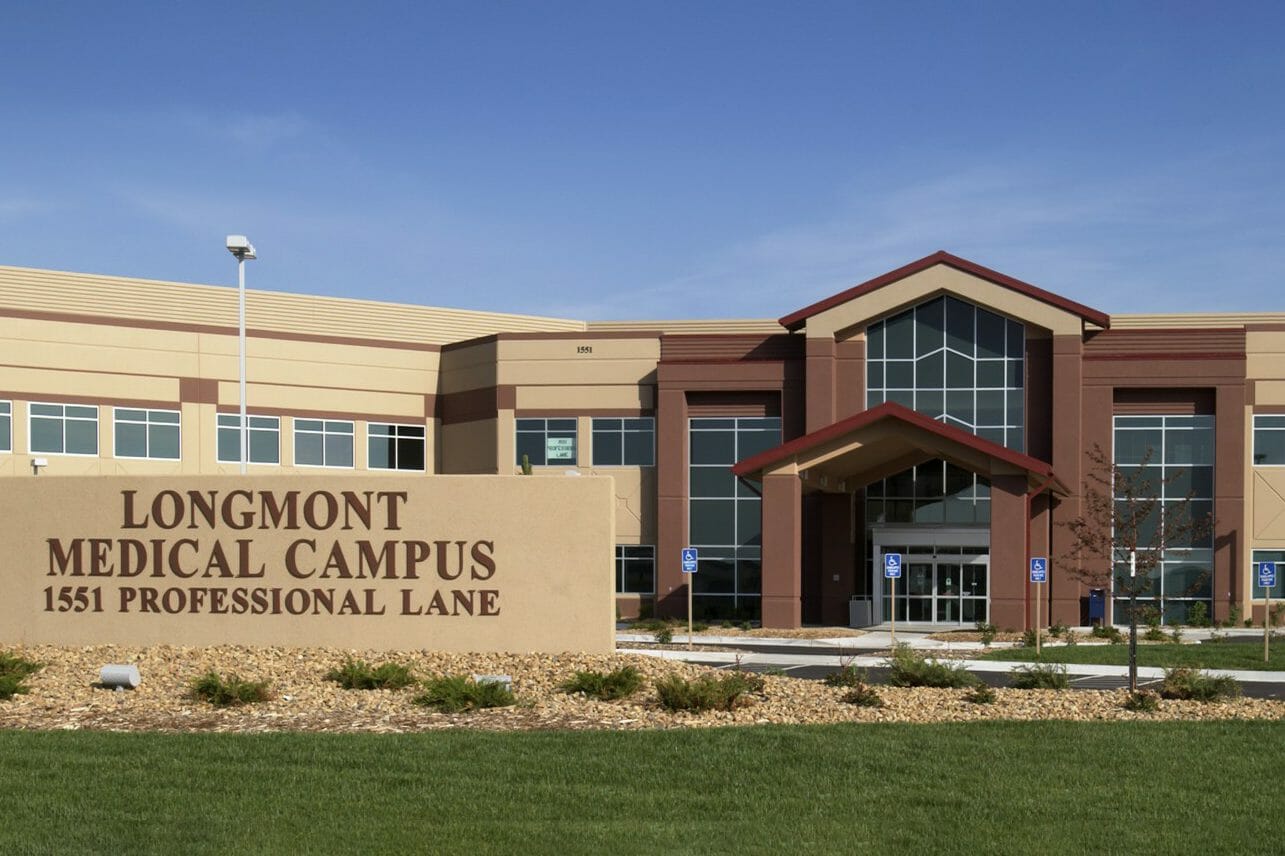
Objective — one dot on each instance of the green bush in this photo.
(847, 676)
(1056, 630)
(987, 631)
(1051, 676)
(609, 686)
(456, 693)
(1154, 633)
(1184, 682)
(359, 675)
(664, 636)
(230, 691)
(1198, 614)
(1109, 632)
(863, 695)
(910, 669)
(1030, 636)
(980, 694)
(1143, 701)
(708, 692)
(14, 670)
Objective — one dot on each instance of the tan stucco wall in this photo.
(930, 282)
(534, 584)
(470, 447)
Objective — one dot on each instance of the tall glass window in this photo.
(147, 433)
(263, 439)
(725, 515)
(62, 429)
(635, 569)
(549, 442)
(395, 447)
(1175, 456)
(1269, 441)
(6, 426)
(955, 362)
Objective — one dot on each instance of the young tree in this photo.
(1119, 539)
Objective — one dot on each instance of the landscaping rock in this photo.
(64, 696)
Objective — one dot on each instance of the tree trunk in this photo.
(1133, 642)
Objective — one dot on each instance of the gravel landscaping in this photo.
(63, 696)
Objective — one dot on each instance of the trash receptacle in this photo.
(1097, 606)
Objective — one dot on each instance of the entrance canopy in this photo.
(886, 440)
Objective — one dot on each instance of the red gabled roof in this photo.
(900, 413)
(795, 320)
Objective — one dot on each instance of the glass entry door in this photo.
(945, 587)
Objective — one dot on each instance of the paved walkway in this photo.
(816, 658)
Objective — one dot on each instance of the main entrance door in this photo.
(947, 589)
(943, 581)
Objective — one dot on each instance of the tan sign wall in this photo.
(462, 563)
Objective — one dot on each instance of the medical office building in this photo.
(943, 410)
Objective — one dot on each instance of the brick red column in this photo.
(1008, 552)
(782, 546)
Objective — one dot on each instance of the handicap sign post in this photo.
(689, 562)
(1267, 581)
(892, 571)
(1039, 576)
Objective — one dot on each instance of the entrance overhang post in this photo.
(1031, 493)
(782, 548)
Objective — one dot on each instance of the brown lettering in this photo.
(292, 563)
(484, 558)
(62, 558)
(230, 517)
(130, 522)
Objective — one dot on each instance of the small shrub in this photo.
(1056, 630)
(987, 632)
(699, 626)
(616, 684)
(1071, 637)
(910, 669)
(14, 670)
(359, 675)
(1198, 614)
(1276, 613)
(1051, 676)
(1176, 634)
(456, 693)
(1184, 682)
(1029, 637)
(863, 695)
(1233, 616)
(664, 635)
(707, 693)
(980, 694)
(12, 685)
(745, 625)
(1154, 633)
(230, 691)
(848, 676)
(1143, 701)
(1109, 632)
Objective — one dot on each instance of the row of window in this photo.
(72, 429)
(616, 442)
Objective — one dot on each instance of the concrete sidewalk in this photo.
(783, 653)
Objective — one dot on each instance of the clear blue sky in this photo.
(651, 159)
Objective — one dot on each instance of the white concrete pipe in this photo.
(118, 677)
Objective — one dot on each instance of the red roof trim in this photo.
(795, 320)
(900, 413)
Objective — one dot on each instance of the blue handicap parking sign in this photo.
(1266, 575)
(892, 565)
(1039, 570)
(689, 560)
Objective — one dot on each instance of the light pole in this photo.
(240, 246)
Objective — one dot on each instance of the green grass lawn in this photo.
(1208, 655)
(1055, 787)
